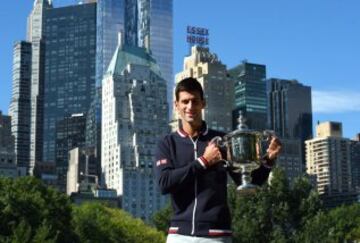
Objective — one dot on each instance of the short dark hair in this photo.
(190, 85)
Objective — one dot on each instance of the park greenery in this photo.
(33, 212)
(277, 212)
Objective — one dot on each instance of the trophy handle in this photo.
(221, 143)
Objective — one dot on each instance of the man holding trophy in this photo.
(192, 165)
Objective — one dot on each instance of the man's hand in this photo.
(274, 148)
(212, 154)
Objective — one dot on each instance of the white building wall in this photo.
(329, 159)
(134, 116)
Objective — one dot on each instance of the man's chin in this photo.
(192, 120)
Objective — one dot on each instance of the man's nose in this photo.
(190, 105)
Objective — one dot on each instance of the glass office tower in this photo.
(250, 94)
(161, 40)
(149, 23)
(110, 21)
(69, 80)
(290, 110)
(21, 102)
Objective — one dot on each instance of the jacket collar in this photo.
(203, 130)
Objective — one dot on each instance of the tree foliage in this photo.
(275, 213)
(97, 223)
(341, 224)
(161, 219)
(31, 211)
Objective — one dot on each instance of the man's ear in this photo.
(204, 103)
(175, 104)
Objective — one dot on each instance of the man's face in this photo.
(189, 106)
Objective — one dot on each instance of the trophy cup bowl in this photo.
(244, 152)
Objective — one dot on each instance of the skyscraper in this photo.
(7, 155)
(20, 103)
(150, 23)
(355, 162)
(290, 116)
(161, 39)
(328, 157)
(109, 22)
(70, 133)
(250, 94)
(218, 87)
(69, 80)
(291, 158)
(6, 140)
(35, 35)
(290, 111)
(134, 114)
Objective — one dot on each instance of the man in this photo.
(189, 167)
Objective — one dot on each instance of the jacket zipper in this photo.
(195, 203)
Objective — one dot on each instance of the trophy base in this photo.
(246, 189)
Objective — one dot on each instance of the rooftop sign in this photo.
(197, 36)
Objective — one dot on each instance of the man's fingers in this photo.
(274, 148)
(274, 153)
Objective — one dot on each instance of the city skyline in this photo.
(314, 43)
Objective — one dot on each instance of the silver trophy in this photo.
(245, 153)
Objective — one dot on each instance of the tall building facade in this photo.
(150, 23)
(70, 133)
(290, 112)
(6, 139)
(110, 17)
(290, 116)
(69, 80)
(109, 22)
(8, 167)
(328, 156)
(161, 40)
(35, 35)
(250, 94)
(218, 87)
(134, 114)
(20, 103)
(290, 158)
(355, 162)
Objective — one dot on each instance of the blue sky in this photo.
(315, 42)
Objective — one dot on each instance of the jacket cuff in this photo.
(268, 163)
(204, 163)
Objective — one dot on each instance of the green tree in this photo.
(33, 212)
(94, 222)
(340, 224)
(161, 219)
(275, 213)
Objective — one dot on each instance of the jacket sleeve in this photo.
(260, 175)
(169, 178)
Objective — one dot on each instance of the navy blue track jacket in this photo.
(198, 192)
